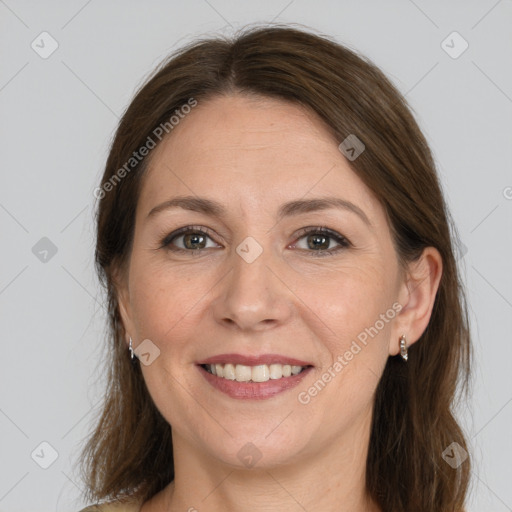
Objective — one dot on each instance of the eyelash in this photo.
(343, 242)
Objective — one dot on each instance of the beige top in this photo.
(118, 506)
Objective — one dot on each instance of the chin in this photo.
(258, 447)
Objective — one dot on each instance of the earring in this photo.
(130, 347)
(403, 347)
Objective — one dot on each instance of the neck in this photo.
(333, 479)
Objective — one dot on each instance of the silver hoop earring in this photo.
(130, 347)
(403, 347)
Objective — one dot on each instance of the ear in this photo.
(122, 289)
(416, 296)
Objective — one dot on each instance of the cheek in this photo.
(353, 317)
(164, 297)
(346, 301)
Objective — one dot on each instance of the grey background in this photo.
(57, 119)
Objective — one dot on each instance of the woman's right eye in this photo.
(188, 240)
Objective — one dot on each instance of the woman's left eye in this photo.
(323, 241)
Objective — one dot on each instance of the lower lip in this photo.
(253, 390)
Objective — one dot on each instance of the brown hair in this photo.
(130, 451)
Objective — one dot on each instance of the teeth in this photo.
(296, 370)
(276, 371)
(260, 373)
(229, 371)
(243, 373)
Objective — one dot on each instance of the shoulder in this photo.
(117, 506)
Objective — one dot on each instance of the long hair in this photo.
(130, 451)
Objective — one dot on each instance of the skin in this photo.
(252, 155)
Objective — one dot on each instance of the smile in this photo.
(253, 377)
(258, 373)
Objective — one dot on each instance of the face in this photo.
(256, 245)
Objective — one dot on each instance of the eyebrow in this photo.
(292, 208)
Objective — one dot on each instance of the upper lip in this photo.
(267, 359)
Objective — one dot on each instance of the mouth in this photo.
(258, 373)
(259, 377)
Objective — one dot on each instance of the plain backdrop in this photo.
(58, 114)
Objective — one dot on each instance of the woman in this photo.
(287, 322)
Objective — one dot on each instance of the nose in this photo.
(252, 297)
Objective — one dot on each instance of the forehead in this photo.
(254, 151)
